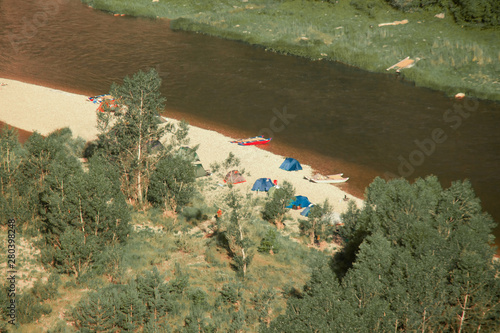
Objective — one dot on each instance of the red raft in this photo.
(257, 140)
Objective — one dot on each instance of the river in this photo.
(331, 116)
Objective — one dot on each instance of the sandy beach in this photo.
(35, 108)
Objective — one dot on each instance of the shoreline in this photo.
(319, 163)
(32, 107)
(356, 28)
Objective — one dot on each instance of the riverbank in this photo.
(34, 108)
(452, 58)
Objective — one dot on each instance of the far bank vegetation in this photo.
(452, 38)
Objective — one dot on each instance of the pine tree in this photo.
(57, 153)
(229, 308)
(125, 136)
(172, 183)
(74, 252)
(29, 308)
(83, 213)
(417, 258)
(233, 228)
(317, 308)
(11, 156)
(97, 312)
(262, 304)
(275, 208)
(101, 206)
(317, 223)
(270, 242)
(155, 294)
(131, 310)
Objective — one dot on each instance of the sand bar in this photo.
(35, 108)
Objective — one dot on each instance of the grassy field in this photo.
(452, 58)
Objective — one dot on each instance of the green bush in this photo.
(172, 183)
(270, 242)
(198, 297)
(211, 257)
(482, 12)
(60, 327)
(470, 12)
(195, 215)
(275, 208)
(367, 7)
(48, 290)
(408, 5)
(231, 293)
(29, 308)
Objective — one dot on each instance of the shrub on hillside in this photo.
(408, 5)
(481, 12)
(270, 242)
(471, 12)
(367, 7)
(275, 208)
(172, 183)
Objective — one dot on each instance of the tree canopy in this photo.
(126, 134)
(417, 258)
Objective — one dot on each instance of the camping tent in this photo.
(199, 170)
(262, 184)
(155, 145)
(189, 153)
(234, 177)
(299, 202)
(306, 211)
(290, 164)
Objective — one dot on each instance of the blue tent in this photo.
(305, 212)
(301, 201)
(290, 164)
(262, 184)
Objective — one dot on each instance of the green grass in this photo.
(158, 242)
(453, 58)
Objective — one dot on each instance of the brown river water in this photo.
(333, 117)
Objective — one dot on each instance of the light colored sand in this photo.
(31, 107)
(258, 163)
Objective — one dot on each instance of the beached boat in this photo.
(100, 98)
(257, 140)
(329, 179)
(106, 102)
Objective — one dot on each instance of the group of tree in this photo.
(152, 303)
(416, 258)
(47, 191)
(78, 208)
(145, 303)
(483, 13)
(30, 303)
(130, 137)
(318, 226)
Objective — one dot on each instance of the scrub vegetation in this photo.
(119, 235)
(458, 53)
